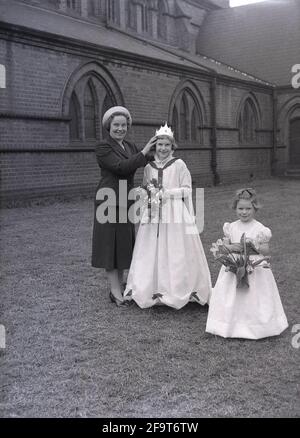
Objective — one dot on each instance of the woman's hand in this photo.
(149, 145)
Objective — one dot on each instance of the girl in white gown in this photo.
(169, 265)
(255, 312)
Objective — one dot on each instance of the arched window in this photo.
(86, 108)
(75, 118)
(89, 113)
(89, 92)
(247, 122)
(161, 21)
(187, 118)
(88, 103)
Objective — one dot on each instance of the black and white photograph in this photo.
(149, 223)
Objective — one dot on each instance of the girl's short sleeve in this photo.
(226, 229)
(264, 236)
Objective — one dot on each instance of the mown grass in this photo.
(72, 353)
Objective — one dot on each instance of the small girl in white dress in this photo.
(169, 265)
(255, 312)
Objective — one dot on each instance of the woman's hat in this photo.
(116, 109)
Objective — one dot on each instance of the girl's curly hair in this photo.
(248, 194)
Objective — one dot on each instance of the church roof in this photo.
(261, 39)
(211, 4)
(61, 25)
(214, 65)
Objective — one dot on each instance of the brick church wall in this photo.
(237, 161)
(36, 156)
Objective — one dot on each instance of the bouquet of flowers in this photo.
(239, 262)
(152, 198)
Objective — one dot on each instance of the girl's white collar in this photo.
(163, 162)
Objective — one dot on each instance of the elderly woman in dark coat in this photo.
(113, 239)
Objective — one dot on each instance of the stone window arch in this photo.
(187, 115)
(90, 91)
(248, 121)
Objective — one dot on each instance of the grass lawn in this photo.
(71, 353)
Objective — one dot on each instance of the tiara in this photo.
(164, 130)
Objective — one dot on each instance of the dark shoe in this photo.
(116, 301)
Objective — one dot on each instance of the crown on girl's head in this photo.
(164, 130)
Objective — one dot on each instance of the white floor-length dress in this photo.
(169, 265)
(255, 312)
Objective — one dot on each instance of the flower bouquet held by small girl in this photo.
(238, 261)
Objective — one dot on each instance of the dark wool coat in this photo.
(113, 242)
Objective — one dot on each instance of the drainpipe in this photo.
(213, 132)
(275, 120)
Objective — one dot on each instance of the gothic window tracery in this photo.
(248, 122)
(187, 118)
